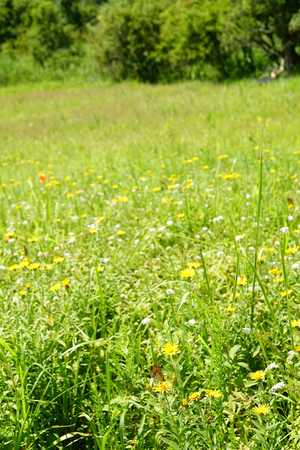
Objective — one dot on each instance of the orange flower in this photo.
(42, 177)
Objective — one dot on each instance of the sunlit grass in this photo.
(148, 225)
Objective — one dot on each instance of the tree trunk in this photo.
(290, 56)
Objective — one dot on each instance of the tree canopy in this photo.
(156, 40)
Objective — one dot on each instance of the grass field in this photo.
(148, 225)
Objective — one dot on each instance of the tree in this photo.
(272, 30)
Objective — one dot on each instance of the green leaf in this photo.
(234, 350)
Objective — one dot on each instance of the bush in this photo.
(165, 40)
(127, 39)
(50, 36)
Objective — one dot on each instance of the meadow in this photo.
(146, 225)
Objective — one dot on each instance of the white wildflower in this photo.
(277, 386)
(239, 237)
(146, 321)
(192, 322)
(170, 292)
(285, 230)
(271, 366)
(247, 330)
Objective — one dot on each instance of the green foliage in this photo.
(155, 40)
(166, 40)
(127, 39)
(49, 35)
(51, 32)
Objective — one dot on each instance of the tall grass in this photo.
(108, 194)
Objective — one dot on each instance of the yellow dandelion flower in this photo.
(230, 309)
(56, 287)
(213, 393)
(278, 280)
(222, 156)
(33, 266)
(295, 323)
(70, 195)
(66, 282)
(23, 264)
(258, 375)
(22, 293)
(93, 231)
(187, 273)
(193, 264)
(184, 403)
(285, 293)
(170, 349)
(100, 219)
(156, 189)
(297, 348)
(180, 216)
(264, 409)
(120, 233)
(58, 259)
(34, 239)
(99, 269)
(194, 396)
(27, 285)
(162, 386)
(205, 167)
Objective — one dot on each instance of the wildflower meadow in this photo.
(150, 266)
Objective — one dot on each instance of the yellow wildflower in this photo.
(195, 396)
(58, 259)
(170, 349)
(193, 264)
(34, 239)
(261, 409)
(187, 273)
(162, 386)
(258, 375)
(285, 293)
(56, 287)
(213, 393)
